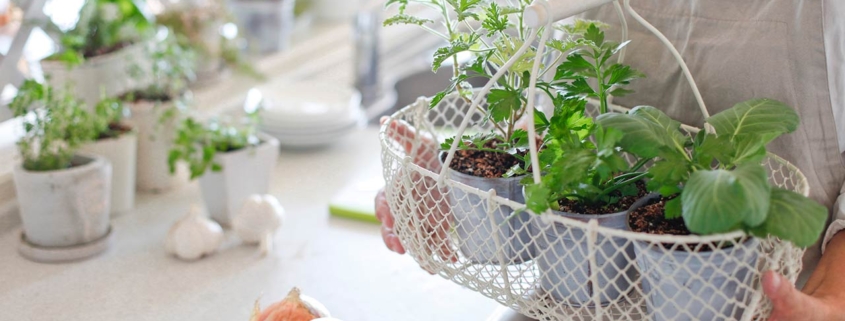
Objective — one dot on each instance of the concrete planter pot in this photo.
(562, 259)
(245, 172)
(478, 231)
(121, 152)
(65, 208)
(155, 138)
(110, 74)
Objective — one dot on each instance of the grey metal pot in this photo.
(477, 231)
(562, 257)
(704, 285)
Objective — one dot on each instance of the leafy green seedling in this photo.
(719, 176)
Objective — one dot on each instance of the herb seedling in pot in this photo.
(494, 158)
(116, 141)
(157, 108)
(55, 185)
(96, 51)
(232, 161)
(712, 183)
(585, 175)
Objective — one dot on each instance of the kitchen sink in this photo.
(421, 83)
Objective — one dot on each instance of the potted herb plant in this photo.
(98, 53)
(63, 196)
(585, 176)
(117, 142)
(712, 183)
(157, 110)
(208, 28)
(231, 161)
(493, 159)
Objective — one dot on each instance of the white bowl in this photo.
(307, 104)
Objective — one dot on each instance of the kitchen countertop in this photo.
(340, 262)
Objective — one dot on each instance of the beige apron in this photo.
(738, 50)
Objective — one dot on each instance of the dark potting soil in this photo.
(483, 163)
(571, 206)
(115, 130)
(106, 50)
(652, 219)
(145, 95)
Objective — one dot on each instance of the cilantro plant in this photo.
(104, 26)
(581, 160)
(55, 125)
(197, 143)
(716, 180)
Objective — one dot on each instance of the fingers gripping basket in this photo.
(552, 267)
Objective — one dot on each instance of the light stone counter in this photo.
(342, 263)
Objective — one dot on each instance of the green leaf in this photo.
(458, 45)
(717, 201)
(495, 20)
(794, 218)
(669, 172)
(672, 208)
(765, 118)
(575, 62)
(595, 34)
(648, 131)
(403, 19)
(537, 198)
(541, 123)
(622, 74)
(463, 8)
(502, 103)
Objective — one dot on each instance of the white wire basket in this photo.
(551, 267)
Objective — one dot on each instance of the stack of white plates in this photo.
(306, 115)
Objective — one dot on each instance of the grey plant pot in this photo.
(711, 285)
(65, 208)
(477, 234)
(562, 257)
(704, 286)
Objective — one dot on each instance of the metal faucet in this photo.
(366, 64)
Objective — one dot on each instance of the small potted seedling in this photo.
(117, 142)
(714, 183)
(63, 196)
(492, 159)
(97, 54)
(209, 29)
(232, 162)
(584, 174)
(157, 110)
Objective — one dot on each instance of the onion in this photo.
(295, 307)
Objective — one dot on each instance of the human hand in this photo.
(789, 304)
(432, 207)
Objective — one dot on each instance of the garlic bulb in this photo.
(194, 236)
(258, 220)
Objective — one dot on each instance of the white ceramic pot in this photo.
(111, 74)
(121, 152)
(245, 172)
(155, 139)
(66, 207)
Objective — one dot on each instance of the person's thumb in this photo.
(787, 302)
